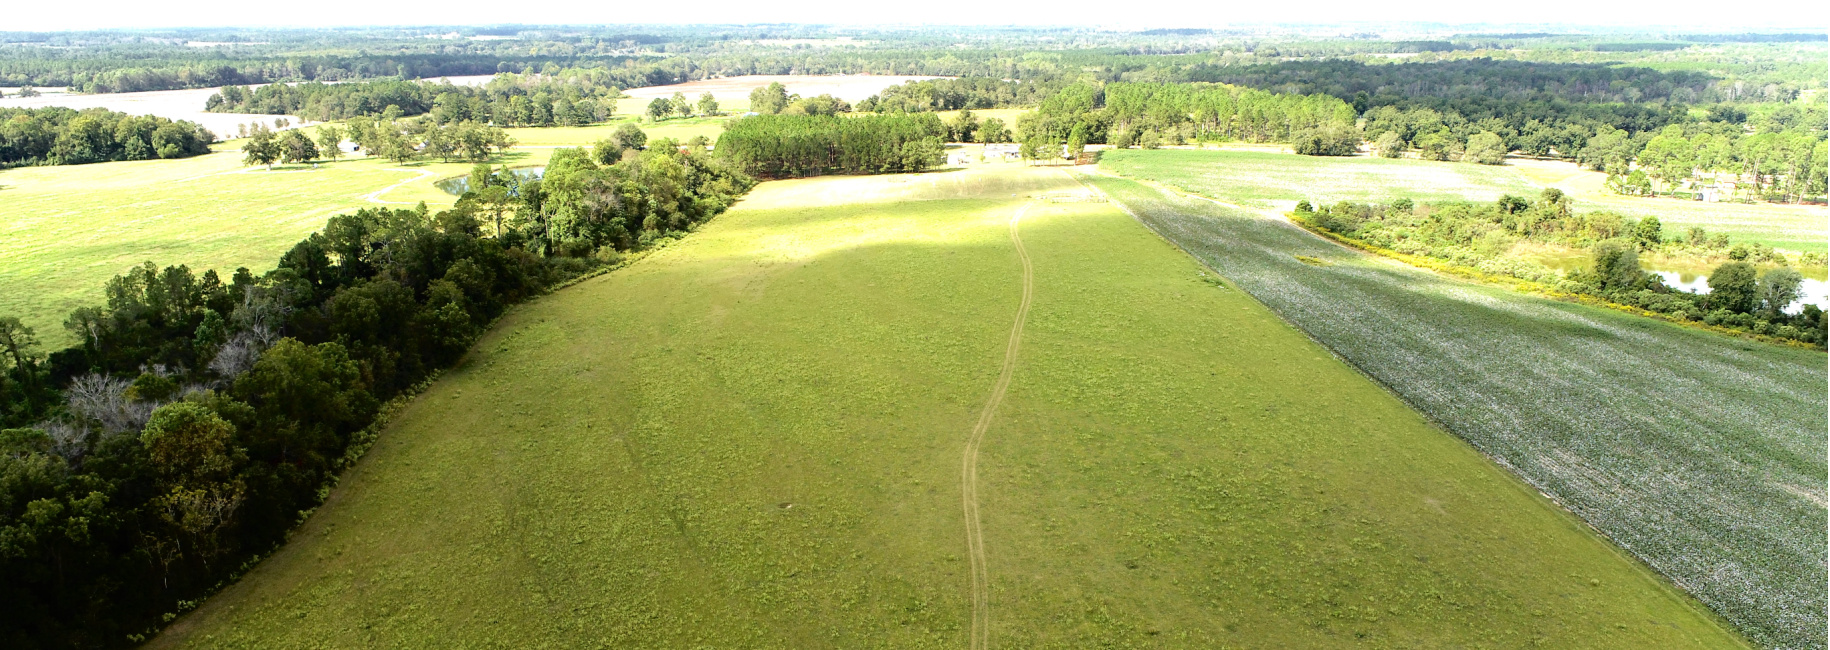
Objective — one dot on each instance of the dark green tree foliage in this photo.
(61, 136)
(782, 146)
(1734, 287)
(583, 205)
(197, 418)
(1126, 112)
(959, 94)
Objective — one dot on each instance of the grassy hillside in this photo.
(754, 438)
(1701, 454)
(1261, 179)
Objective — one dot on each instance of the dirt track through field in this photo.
(975, 538)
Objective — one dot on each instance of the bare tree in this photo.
(103, 399)
(239, 354)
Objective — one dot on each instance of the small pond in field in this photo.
(1812, 292)
(458, 185)
(1695, 279)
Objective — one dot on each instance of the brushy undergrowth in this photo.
(1702, 455)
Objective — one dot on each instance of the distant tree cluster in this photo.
(662, 108)
(568, 98)
(200, 415)
(1151, 115)
(774, 99)
(781, 146)
(959, 94)
(582, 204)
(61, 136)
(966, 127)
(1483, 236)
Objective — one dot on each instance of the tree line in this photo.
(1483, 236)
(62, 136)
(1151, 114)
(200, 416)
(1779, 150)
(784, 146)
(960, 94)
(564, 98)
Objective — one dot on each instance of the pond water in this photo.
(457, 186)
(1812, 292)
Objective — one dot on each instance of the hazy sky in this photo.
(1685, 15)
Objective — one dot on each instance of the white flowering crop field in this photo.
(1702, 455)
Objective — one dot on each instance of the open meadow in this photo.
(755, 438)
(1272, 180)
(1702, 455)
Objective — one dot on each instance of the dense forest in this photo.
(61, 136)
(1481, 236)
(201, 416)
(565, 98)
(782, 146)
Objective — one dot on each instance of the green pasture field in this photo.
(1701, 454)
(1272, 180)
(64, 230)
(754, 438)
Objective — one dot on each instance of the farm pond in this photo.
(458, 185)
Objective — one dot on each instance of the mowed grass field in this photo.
(1273, 180)
(1701, 454)
(754, 438)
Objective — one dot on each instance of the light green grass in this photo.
(64, 230)
(1279, 180)
(1271, 180)
(753, 439)
(1797, 228)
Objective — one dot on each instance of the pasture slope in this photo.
(1701, 454)
(1273, 180)
(753, 438)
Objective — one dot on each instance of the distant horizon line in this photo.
(1569, 29)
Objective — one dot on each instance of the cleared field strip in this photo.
(753, 438)
(1702, 455)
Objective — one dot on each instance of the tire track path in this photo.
(975, 538)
